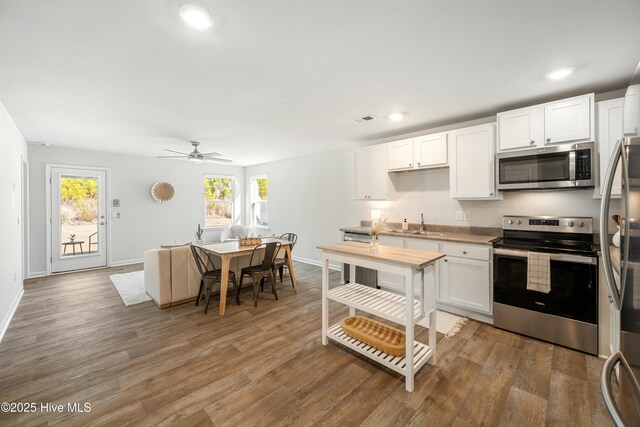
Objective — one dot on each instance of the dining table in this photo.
(226, 251)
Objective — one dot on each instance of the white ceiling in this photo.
(285, 78)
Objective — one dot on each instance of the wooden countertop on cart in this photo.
(412, 257)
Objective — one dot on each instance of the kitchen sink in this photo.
(417, 232)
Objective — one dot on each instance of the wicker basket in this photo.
(376, 334)
(249, 241)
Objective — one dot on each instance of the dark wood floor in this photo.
(73, 340)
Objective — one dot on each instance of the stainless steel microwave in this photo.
(555, 166)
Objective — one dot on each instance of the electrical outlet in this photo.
(467, 216)
(458, 215)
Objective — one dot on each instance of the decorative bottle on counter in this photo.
(405, 224)
(374, 244)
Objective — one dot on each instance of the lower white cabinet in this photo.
(390, 281)
(465, 283)
(464, 275)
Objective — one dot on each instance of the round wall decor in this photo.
(162, 191)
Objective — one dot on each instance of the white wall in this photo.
(312, 196)
(14, 151)
(143, 223)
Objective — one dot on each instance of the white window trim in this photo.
(205, 201)
(252, 202)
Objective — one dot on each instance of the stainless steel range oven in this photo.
(566, 311)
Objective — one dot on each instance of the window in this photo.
(218, 201)
(259, 201)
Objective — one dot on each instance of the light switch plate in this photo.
(458, 215)
(467, 216)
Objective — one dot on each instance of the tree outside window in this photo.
(218, 201)
(259, 201)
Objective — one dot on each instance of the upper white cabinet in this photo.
(401, 154)
(609, 118)
(632, 111)
(569, 120)
(472, 159)
(422, 152)
(522, 128)
(557, 122)
(370, 173)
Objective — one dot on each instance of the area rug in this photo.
(446, 323)
(130, 286)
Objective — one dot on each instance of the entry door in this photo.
(78, 219)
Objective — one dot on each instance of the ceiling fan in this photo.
(196, 156)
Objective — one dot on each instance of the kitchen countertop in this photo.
(444, 236)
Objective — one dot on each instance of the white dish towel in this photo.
(538, 272)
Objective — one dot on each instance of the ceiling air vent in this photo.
(365, 119)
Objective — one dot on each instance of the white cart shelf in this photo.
(405, 310)
(380, 303)
(421, 352)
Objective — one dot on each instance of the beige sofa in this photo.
(171, 276)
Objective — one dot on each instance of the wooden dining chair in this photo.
(262, 271)
(280, 263)
(209, 276)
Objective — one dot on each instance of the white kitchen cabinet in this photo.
(569, 120)
(390, 281)
(472, 162)
(632, 111)
(522, 128)
(401, 154)
(370, 173)
(428, 151)
(609, 129)
(465, 283)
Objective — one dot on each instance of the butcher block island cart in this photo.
(418, 269)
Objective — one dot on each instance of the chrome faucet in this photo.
(421, 222)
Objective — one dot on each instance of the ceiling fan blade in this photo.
(215, 159)
(179, 152)
(171, 157)
(214, 154)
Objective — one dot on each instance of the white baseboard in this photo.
(336, 267)
(36, 274)
(126, 262)
(7, 319)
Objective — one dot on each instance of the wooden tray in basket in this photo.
(376, 334)
(249, 241)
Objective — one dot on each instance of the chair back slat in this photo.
(202, 258)
(293, 238)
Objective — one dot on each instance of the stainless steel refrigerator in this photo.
(623, 280)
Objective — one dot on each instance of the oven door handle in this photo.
(552, 257)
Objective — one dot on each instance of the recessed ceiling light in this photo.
(559, 74)
(197, 17)
(395, 117)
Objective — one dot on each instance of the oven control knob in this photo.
(580, 223)
(571, 224)
(518, 222)
(510, 221)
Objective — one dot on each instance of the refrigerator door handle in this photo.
(624, 264)
(604, 226)
(605, 386)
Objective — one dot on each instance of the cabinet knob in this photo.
(548, 139)
(418, 163)
(446, 260)
(464, 252)
(409, 164)
(533, 141)
(491, 194)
